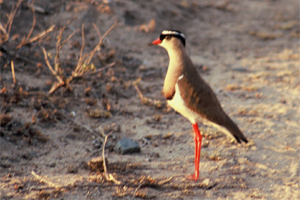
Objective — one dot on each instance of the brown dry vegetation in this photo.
(70, 76)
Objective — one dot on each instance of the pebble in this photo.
(126, 146)
(145, 193)
(72, 169)
(240, 69)
(73, 114)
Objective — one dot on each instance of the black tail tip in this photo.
(239, 139)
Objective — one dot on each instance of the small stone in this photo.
(205, 143)
(72, 169)
(208, 184)
(145, 193)
(240, 69)
(73, 114)
(52, 165)
(126, 146)
(167, 136)
(283, 101)
(214, 156)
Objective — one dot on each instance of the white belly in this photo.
(179, 106)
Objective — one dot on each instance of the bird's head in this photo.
(169, 39)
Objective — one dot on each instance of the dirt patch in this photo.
(246, 50)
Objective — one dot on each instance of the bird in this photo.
(188, 94)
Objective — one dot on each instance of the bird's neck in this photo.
(176, 62)
(177, 65)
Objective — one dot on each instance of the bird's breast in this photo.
(178, 104)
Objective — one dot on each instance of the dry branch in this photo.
(12, 16)
(108, 176)
(96, 71)
(57, 72)
(31, 30)
(100, 42)
(4, 32)
(82, 66)
(144, 182)
(13, 71)
(162, 182)
(57, 64)
(44, 180)
(171, 186)
(50, 67)
(147, 101)
(71, 35)
(42, 34)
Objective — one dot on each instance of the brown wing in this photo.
(199, 96)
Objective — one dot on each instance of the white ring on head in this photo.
(166, 32)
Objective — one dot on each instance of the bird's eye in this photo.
(168, 37)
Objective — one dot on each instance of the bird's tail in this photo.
(235, 131)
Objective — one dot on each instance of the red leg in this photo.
(198, 141)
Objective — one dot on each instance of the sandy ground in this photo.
(248, 51)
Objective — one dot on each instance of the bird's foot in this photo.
(193, 177)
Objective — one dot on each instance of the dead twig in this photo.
(33, 24)
(13, 71)
(7, 28)
(162, 182)
(12, 16)
(147, 101)
(57, 64)
(153, 184)
(3, 29)
(174, 187)
(103, 153)
(5, 34)
(136, 189)
(96, 71)
(144, 182)
(96, 28)
(72, 186)
(25, 41)
(59, 79)
(42, 34)
(82, 66)
(108, 176)
(97, 47)
(61, 82)
(44, 180)
(71, 35)
(57, 72)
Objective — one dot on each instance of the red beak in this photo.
(155, 42)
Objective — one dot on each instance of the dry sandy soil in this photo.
(248, 51)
